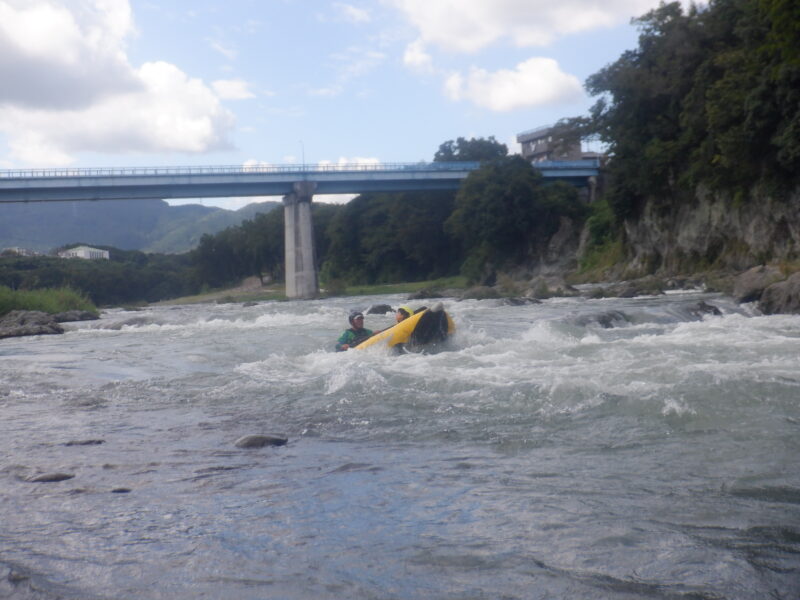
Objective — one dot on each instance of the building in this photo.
(84, 252)
(16, 251)
(538, 146)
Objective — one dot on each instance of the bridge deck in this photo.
(46, 185)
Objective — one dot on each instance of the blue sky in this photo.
(91, 83)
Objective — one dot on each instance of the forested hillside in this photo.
(148, 225)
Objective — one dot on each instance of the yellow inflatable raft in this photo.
(428, 327)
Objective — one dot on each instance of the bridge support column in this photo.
(301, 265)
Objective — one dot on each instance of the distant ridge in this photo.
(147, 225)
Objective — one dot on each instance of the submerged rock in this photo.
(50, 477)
(28, 322)
(85, 442)
(703, 308)
(259, 441)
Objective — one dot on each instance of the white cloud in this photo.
(535, 82)
(351, 13)
(68, 87)
(52, 56)
(232, 89)
(345, 162)
(171, 113)
(417, 58)
(351, 64)
(228, 53)
(469, 25)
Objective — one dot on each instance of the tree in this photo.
(472, 150)
(504, 211)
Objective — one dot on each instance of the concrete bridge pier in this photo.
(301, 264)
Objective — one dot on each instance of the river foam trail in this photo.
(639, 448)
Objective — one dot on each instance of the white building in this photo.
(17, 251)
(84, 252)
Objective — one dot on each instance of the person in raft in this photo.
(355, 335)
(403, 313)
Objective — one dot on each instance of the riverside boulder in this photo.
(782, 297)
(749, 285)
(28, 322)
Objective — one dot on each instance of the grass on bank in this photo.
(51, 300)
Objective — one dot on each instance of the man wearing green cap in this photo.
(355, 335)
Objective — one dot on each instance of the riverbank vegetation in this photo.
(128, 277)
(49, 300)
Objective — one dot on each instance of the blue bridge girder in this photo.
(139, 183)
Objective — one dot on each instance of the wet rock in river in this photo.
(379, 309)
(28, 322)
(702, 308)
(782, 297)
(259, 441)
(50, 477)
(749, 285)
(85, 442)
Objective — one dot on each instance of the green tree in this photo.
(503, 212)
(470, 150)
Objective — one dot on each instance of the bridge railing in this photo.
(234, 169)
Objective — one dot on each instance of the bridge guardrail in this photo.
(232, 169)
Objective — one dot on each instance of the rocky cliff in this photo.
(713, 232)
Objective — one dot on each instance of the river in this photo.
(616, 448)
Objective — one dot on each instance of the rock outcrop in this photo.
(28, 322)
(750, 285)
(781, 297)
(713, 231)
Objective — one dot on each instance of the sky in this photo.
(126, 83)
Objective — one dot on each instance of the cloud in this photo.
(171, 113)
(228, 53)
(348, 12)
(535, 82)
(232, 89)
(68, 87)
(470, 25)
(345, 163)
(350, 64)
(417, 58)
(55, 57)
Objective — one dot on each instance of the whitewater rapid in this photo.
(615, 448)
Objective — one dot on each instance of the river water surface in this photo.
(571, 449)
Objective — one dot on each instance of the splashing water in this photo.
(570, 449)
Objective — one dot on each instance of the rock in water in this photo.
(379, 309)
(782, 297)
(259, 441)
(51, 477)
(749, 285)
(28, 322)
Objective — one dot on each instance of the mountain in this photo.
(148, 225)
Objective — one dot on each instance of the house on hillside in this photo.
(538, 145)
(17, 251)
(85, 252)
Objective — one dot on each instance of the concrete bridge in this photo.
(297, 185)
